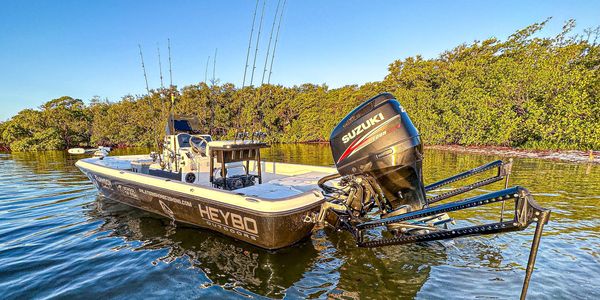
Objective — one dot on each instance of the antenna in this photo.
(162, 86)
(262, 81)
(249, 44)
(276, 39)
(214, 66)
(144, 69)
(257, 40)
(206, 70)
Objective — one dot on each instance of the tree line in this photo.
(526, 91)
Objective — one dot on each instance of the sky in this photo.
(83, 48)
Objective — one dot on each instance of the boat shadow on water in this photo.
(227, 262)
(328, 263)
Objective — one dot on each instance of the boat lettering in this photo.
(165, 197)
(362, 127)
(231, 230)
(127, 191)
(228, 218)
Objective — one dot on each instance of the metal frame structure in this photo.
(430, 222)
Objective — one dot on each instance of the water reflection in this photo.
(43, 162)
(309, 154)
(227, 262)
(328, 264)
(387, 272)
(57, 236)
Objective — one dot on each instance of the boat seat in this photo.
(234, 168)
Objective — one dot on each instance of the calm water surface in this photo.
(59, 239)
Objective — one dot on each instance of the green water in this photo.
(58, 238)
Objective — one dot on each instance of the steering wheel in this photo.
(196, 148)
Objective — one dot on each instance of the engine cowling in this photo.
(379, 139)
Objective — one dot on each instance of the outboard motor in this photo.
(378, 139)
(378, 155)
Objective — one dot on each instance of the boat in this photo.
(375, 191)
(186, 186)
(271, 215)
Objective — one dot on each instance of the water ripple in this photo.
(59, 239)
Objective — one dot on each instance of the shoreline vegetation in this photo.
(576, 156)
(526, 92)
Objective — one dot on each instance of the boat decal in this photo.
(362, 127)
(166, 209)
(127, 191)
(367, 139)
(103, 182)
(228, 219)
(139, 182)
(228, 229)
(165, 197)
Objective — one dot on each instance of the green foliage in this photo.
(3, 143)
(527, 91)
(58, 124)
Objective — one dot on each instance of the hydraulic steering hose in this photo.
(322, 181)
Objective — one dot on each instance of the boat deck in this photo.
(280, 180)
(277, 186)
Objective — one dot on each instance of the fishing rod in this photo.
(170, 77)
(144, 69)
(162, 86)
(214, 66)
(262, 81)
(148, 97)
(211, 104)
(249, 44)
(206, 70)
(171, 113)
(145, 76)
(258, 40)
(276, 39)
(170, 66)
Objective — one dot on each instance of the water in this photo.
(58, 238)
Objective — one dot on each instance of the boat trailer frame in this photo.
(424, 225)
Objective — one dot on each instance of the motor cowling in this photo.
(378, 138)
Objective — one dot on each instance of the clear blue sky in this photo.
(84, 48)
